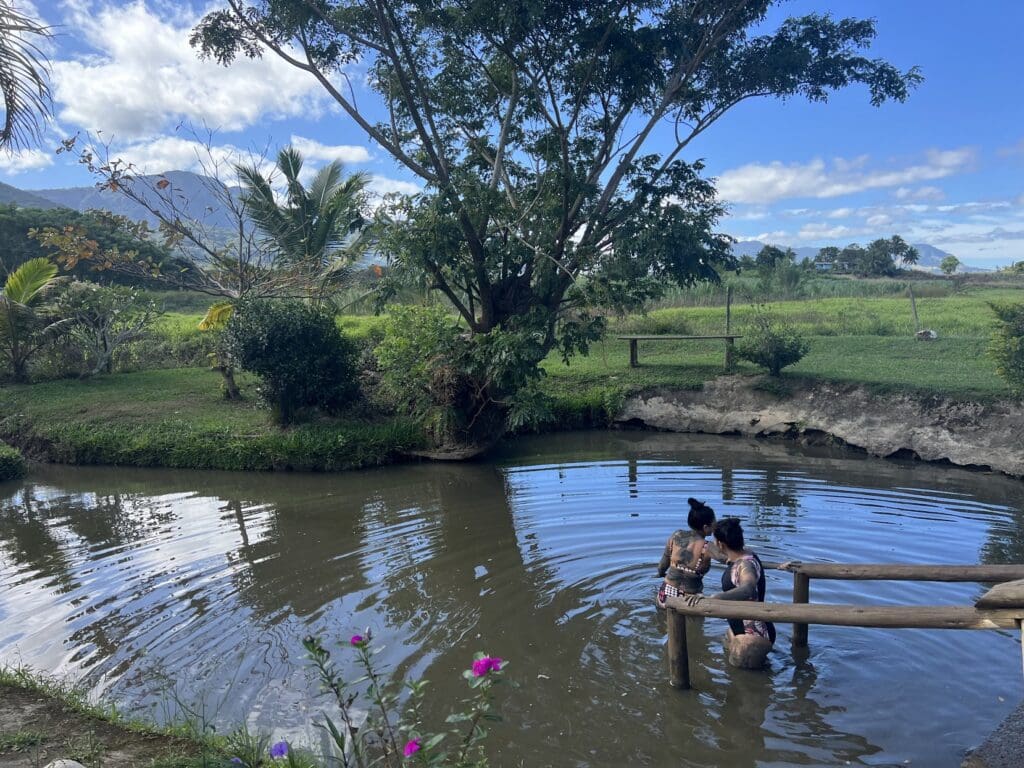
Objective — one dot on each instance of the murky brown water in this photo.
(142, 581)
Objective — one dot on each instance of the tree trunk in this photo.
(231, 391)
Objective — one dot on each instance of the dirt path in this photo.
(35, 729)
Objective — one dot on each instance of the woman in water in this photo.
(687, 558)
(748, 641)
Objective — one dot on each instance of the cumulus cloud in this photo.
(144, 77)
(26, 160)
(174, 153)
(315, 152)
(767, 183)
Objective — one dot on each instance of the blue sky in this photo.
(946, 168)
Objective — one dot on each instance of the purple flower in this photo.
(357, 641)
(237, 761)
(279, 750)
(413, 747)
(486, 664)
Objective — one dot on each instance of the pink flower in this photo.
(357, 640)
(486, 664)
(413, 747)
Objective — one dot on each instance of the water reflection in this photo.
(545, 555)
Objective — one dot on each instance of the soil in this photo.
(59, 732)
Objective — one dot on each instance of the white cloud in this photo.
(840, 213)
(823, 231)
(382, 185)
(760, 183)
(174, 153)
(315, 152)
(921, 193)
(26, 160)
(145, 77)
(771, 237)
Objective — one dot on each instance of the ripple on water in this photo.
(141, 581)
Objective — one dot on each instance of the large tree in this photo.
(553, 138)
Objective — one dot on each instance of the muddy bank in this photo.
(932, 428)
(36, 728)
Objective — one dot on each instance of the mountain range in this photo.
(197, 195)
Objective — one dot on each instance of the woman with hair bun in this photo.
(687, 557)
(748, 641)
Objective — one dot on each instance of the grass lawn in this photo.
(177, 418)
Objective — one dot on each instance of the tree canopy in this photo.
(539, 133)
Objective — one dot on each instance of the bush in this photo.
(12, 465)
(771, 344)
(104, 321)
(298, 353)
(1007, 345)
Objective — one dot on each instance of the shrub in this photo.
(104, 321)
(298, 353)
(771, 344)
(1007, 345)
(12, 465)
(419, 367)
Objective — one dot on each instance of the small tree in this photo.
(27, 324)
(297, 351)
(949, 265)
(772, 344)
(103, 320)
(1007, 345)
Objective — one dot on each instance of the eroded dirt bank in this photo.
(932, 428)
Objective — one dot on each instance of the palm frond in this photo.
(24, 78)
(217, 316)
(30, 280)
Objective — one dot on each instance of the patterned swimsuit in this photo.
(765, 629)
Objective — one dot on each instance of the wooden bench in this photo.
(634, 361)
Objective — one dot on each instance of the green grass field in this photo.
(177, 417)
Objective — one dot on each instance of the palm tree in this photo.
(24, 73)
(320, 229)
(25, 324)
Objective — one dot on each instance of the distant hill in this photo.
(930, 259)
(192, 194)
(23, 199)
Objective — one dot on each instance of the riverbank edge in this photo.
(926, 426)
(933, 428)
(12, 463)
(63, 720)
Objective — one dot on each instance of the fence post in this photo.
(634, 361)
(728, 329)
(801, 594)
(678, 654)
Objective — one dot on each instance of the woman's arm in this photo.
(666, 559)
(745, 578)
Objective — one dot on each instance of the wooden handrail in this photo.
(1002, 607)
(877, 616)
(886, 572)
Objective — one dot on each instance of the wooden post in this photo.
(633, 354)
(801, 594)
(1020, 628)
(729, 346)
(678, 654)
(913, 308)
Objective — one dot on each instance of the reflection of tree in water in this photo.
(29, 540)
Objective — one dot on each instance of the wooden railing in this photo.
(1002, 607)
